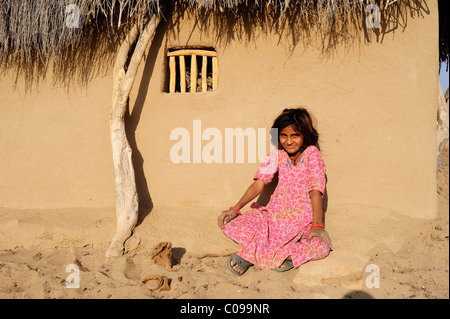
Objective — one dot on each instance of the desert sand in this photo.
(36, 246)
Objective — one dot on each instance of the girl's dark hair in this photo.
(301, 121)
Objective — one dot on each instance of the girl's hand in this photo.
(320, 233)
(226, 216)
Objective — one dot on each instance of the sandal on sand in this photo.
(243, 264)
(288, 265)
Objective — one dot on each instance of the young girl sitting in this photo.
(290, 230)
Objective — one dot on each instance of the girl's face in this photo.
(291, 140)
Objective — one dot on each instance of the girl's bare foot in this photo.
(286, 265)
(238, 265)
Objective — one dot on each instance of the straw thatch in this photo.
(37, 29)
(30, 26)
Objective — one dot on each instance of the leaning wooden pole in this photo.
(124, 179)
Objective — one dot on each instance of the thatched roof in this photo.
(27, 25)
(38, 28)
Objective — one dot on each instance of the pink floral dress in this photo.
(268, 235)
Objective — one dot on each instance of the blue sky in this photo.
(443, 76)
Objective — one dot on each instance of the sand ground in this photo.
(411, 255)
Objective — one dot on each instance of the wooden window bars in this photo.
(192, 70)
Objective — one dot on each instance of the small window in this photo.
(192, 70)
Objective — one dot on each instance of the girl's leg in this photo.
(304, 252)
(242, 229)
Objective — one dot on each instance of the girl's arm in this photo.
(316, 202)
(254, 190)
(319, 232)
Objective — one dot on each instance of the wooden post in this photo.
(193, 73)
(124, 179)
(182, 74)
(173, 74)
(204, 68)
(215, 72)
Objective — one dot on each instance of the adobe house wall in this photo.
(375, 104)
